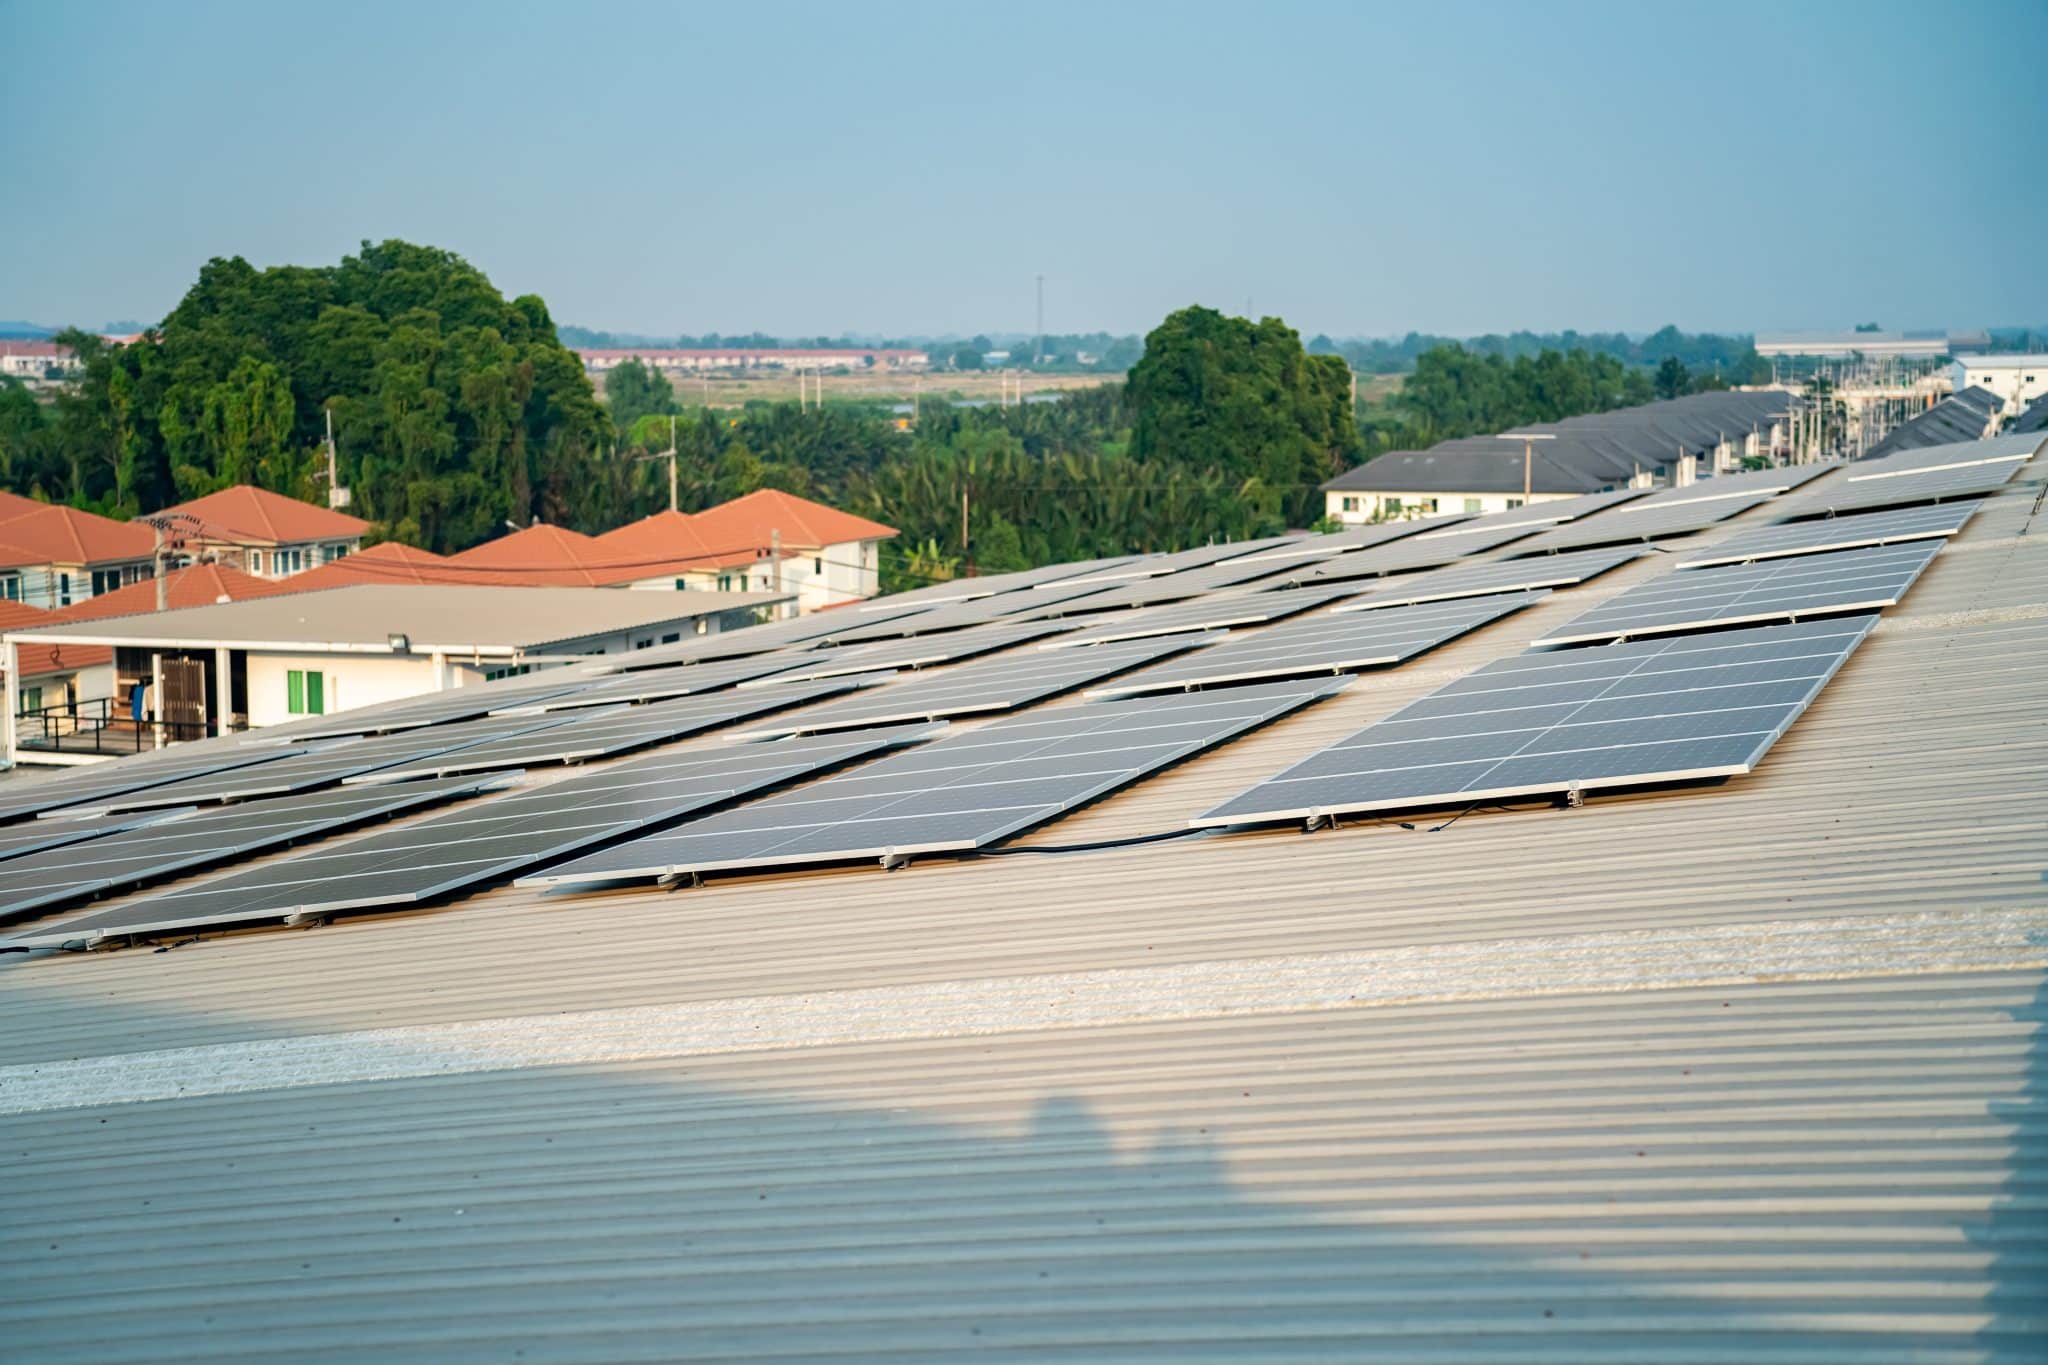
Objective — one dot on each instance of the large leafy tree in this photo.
(633, 391)
(456, 409)
(1244, 398)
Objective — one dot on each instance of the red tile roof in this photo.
(665, 543)
(256, 516)
(37, 660)
(550, 556)
(392, 562)
(804, 525)
(199, 585)
(64, 535)
(14, 505)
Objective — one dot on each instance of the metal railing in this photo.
(98, 727)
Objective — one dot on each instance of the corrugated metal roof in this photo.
(1751, 1071)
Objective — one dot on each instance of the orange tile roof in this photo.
(14, 505)
(198, 585)
(65, 535)
(392, 562)
(667, 542)
(37, 660)
(247, 515)
(804, 525)
(548, 556)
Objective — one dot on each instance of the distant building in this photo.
(265, 533)
(285, 655)
(739, 359)
(52, 557)
(1839, 345)
(2017, 380)
(34, 360)
(54, 679)
(1668, 442)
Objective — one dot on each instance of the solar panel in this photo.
(999, 684)
(1179, 587)
(965, 791)
(152, 853)
(443, 708)
(1955, 455)
(766, 638)
(32, 836)
(1931, 522)
(1035, 604)
(483, 842)
(1774, 589)
(1532, 516)
(1935, 485)
(966, 589)
(919, 651)
(329, 764)
(1690, 707)
(1214, 612)
(1480, 580)
(1641, 521)
(1404, 555)
(653, 684)
(1323, 643)
(1180, 561)
(94, 786)
(582, 736)
(1352, 538)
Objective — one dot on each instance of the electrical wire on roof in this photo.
(1134, 839)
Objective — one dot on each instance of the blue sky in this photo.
(797, 168)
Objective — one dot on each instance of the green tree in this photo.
(1672, 379)
(633, 391)
(1246, 399)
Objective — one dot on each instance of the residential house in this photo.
(288, 654)
(52, 557)
(265, 533)
(392, 562)
(830, 557)
(55, 679)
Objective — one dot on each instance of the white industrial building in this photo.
(2017, 379)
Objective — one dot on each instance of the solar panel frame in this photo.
(1931, 486)
(1534, 516)
(1004, 683)
(1323, 642)
(1351, 538)
(1953, 455)
(482, 843)
(33, 836)
(1833, 583)
(969, 589)
(1493, 576)
(441, 708)
(796, 632)
(46, 881)
(912, 652)
(90, 788)
(1403, 556)
(657, 684)
(1674, 709)
(1635, 523)
(1178, 587)
(584, 736)
(963, 792)
(1213, 612)
(1181, 561)
(1930, 521)
(1014, 607)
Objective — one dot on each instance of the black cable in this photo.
(1099, 844)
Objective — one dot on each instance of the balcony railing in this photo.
(98, 727)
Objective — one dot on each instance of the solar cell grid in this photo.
(586, 735)
(151, 853)
(1938, 485)
(1479, 580)
(1342, 542)
(1930, 522)
(997, 684)
(1636, 522)
(32, 836)
(481, 842)
(965, 791)
(1013, 607)
(797, 632)
(917, 651)
(1679, 709)
(1180, 587)
(1217, 611)
(1405, 555)
(654, 684)
(95, 786)
(1775, 589)
(1325, 642)
(1535, 516)
(1180, 561)
(1955, 455)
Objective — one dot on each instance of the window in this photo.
(1473, 504)
(305, 692)
(105, 580)
(255, 561)
(671, 637)
(10, 587)
(703, 626)
(1351, 504)
(682, 585)
(1391, 506)
(63, 589)
(335, 552)
(647, 643)
(1513, 503)
(283, 562)
(31, 699)
(725, 582)
(818, 561)
(1426, 506)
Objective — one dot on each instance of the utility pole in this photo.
(671, 462)
(1038, 352)
(337, 496)
(1528, 440)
